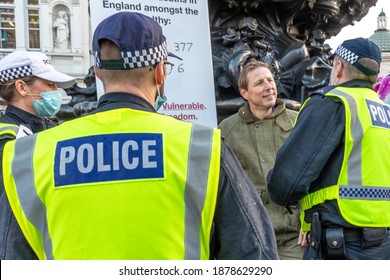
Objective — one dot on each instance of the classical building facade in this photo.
(59, 28)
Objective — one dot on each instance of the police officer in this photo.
(336, 161)
(126, 183)
(32, 89)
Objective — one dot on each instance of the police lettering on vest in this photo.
(380, 114)
(110, 157)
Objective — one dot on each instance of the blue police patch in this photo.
(380, 113)
(110, 157)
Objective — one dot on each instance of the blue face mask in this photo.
(51, 103)
(159, 102)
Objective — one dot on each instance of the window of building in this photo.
(7, 24)
(33, 24)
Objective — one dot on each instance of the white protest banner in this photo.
(185, 23)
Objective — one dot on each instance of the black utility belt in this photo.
(336, 237)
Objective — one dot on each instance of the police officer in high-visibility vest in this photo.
(336, 162)
(126, 183)
(32, 89)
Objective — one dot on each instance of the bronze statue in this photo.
(289, 35)
(83, 99)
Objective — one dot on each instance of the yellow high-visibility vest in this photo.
(121, 184)
(363, 187)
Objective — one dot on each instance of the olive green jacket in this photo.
(255, 143)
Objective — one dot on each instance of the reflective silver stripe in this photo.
(9, 127)
(196, 186)
(355, 158)
(23, 175)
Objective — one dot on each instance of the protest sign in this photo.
(190, 86)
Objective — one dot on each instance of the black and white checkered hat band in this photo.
(143, 58)
(15, 73)
(346, 54)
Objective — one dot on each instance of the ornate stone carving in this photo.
(61, 25)
(289, 35)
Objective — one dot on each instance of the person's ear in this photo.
(244, 93)
(21, 87)
(159, 73)
(339, 69)
(95, 70)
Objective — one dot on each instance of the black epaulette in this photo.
(322, 91)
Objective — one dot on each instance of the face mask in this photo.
(159, 100)
(51, 103)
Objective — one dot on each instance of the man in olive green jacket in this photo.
(255, 133)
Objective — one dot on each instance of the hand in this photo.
(302, 238)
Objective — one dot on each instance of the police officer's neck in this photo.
(147, 93)
(24, 104)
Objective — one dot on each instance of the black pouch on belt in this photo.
(335, 245)
(373, 236)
